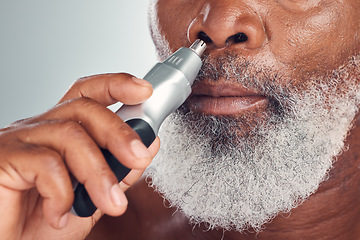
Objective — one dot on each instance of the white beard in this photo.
(247, 181)
(214, 175)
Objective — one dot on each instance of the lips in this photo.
(225, 98)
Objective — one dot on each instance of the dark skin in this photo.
(39, 153)
(332, 212)
(295, 38)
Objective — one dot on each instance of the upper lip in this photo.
(222, 89)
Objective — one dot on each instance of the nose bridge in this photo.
(228, 22)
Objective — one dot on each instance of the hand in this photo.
(38, 154)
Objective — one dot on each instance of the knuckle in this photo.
(119, 136)
(101, 168)
(46, 159)
(80, 81)
(84, 104)
(51, 160)
(71, 129)
(103, 171)
(124, 129)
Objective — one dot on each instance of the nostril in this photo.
(234, 39)
(203, 36)
(237, 38)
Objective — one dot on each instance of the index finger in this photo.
(110, 88)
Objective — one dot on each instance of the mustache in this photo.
(251, 75)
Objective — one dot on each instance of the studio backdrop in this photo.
(46, 45)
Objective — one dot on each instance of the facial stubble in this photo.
(239, 180)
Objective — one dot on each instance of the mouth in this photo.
(225, 98)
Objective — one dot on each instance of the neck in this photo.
(333, 212)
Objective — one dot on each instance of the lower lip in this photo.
(226, 105)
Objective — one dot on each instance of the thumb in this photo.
(110, 88)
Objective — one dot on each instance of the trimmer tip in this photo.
(198, 47)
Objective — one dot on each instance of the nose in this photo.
(228, 23)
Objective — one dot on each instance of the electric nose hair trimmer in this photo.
(171, 81)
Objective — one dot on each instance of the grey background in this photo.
(45, 45)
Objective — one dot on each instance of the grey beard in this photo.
(216, 175)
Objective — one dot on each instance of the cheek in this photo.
(315, 41)
(174, 18)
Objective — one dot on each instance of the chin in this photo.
(239, 171)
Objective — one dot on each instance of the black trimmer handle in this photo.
(83, 206)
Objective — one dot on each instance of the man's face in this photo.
(291, 37)
(257, 136)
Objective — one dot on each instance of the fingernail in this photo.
(117, 196)
(63, 220)
(139, 149)
(141, 82)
